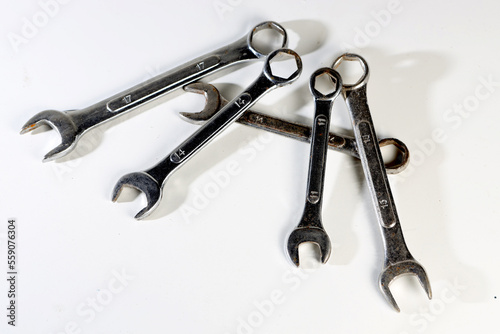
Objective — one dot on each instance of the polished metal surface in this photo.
(71, 125)
(344, 144)
(310, 228)
(398, 259)
(152, 180)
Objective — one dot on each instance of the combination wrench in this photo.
(398, 259)
(341, 143)
(310, 228)
(151, 181)
(73, 124)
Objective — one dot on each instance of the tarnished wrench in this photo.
(152, 180)
(398, 259)
(71, 125)
(310, 228)
(336, 142)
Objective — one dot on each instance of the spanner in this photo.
(344, 144)
(310, 228)
(152, 180)
(71, 125)
(398, 259)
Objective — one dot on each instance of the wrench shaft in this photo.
(162, 84)
(310, 227)
(151, 181)
(378, 183)
(72, 124)
(319, 147)
(219, 122)
(344, 144)
(297, 131)
(398, 260)
(317, 166)
(238, 51)
(216, 125)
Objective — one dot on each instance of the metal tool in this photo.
(310, 228)
(398, 260)
(152, 180)
(72, 124)
(344, 144)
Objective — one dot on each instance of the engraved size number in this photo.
(127, 99)
(200, 66)
(321, 121)
(383, 203)
(243, 100)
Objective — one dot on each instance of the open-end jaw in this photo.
(316, 236)
(145, 183)
(398, 260)
(213, 102)
(395, 270)
(62, 123)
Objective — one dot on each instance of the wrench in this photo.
(152, 180)
(72, 124)
(398, 259)
(344, 144)
(310, 228)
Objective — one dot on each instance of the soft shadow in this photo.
(177, 187)
(92, 139)
(288, 106)
(399, 86)
(308, 42)
(339, 209)
(311, 35)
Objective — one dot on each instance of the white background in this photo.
(211, 259)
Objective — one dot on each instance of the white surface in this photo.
(205, 267)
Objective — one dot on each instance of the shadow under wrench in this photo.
(177, 187)
(339, 210)
(308, 42)
(399, 87)
(311, 35)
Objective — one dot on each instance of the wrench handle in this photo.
(319, 148)
(162, 84)
(297, 131)
(153, 88)
(238, 51)
(224, 117)
(376, 176)
(317, 165)
(371, 158)
(380, 190)
(211, 129)
(221, 120)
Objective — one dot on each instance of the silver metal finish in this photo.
(310, 228)
(152, 180)
(344, 144)
(398, 259)
(72, 124)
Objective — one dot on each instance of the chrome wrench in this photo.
(398, 259)
(310, 228)
(71, 125)
(336, 142)
(151, 181)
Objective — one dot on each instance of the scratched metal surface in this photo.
(212, 258)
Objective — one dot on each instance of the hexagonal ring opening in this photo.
(363, 80)
(268, 41)
(325, 83)
(283, 66)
